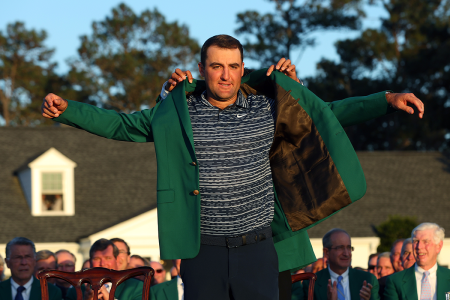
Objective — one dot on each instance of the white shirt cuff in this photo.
(164, 93)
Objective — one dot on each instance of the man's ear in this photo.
(325, 253)
(201, 69)
(242, 72)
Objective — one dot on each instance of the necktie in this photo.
(425, 293)
(19, 296)
(340, 289)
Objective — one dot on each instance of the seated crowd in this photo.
(408, 272)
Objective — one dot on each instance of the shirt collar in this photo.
(420, 271)
(179, 280)
(27, 285)
(240, 101)
(334, 276)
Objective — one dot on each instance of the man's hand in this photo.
(332, 290)
(365, 291)
(400, 101)
(53, 106)
(285, 67)
(88, 292)
(178, 76)
(103, 293)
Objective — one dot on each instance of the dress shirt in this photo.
(345, 282)
(26, 292)
(432, 279)
(180, 288)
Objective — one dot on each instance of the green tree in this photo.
(128, 57)
(396, 227)
(290, 26)
(25, 69)
(408, 53)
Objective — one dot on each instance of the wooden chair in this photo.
(96, 277)
(306, 276)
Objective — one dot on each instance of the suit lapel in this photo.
(322, 283)
(35, 292)
(409, 284)
(5, 290)
(354, 285)
(171, 289)
(443, 283)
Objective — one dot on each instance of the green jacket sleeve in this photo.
(356, 110)
(297, 291)
(135, 127)
(390, 291)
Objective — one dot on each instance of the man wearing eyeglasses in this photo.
(160, 273)
(21, 260)
(65, 261)
(339, 281)
(124, 253)
(425, 280)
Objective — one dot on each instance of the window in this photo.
(48, 184)
(52, 192)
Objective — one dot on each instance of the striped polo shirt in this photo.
(232, 148)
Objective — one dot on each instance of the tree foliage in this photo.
(25, 70)
(275, 35)
(408, 53)
(396, 227)
(124, 62)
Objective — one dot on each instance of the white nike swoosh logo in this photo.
(240, 116)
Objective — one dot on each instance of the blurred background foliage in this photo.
(124, 62)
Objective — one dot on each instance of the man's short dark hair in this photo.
(395, 243)
(44, 254)
(101, 245)
(115, 240)
(65, 251)
(19, 241)
(221, 41)
(326, 240)
(145, 261)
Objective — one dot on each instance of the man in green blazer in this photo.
(21, 260)
(104, 253)
(339, 281)
(314, 168)
(169, 290)
(425, 280)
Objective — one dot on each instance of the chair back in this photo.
(96, 277)
(306, 276)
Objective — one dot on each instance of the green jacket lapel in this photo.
(409, 286)
(443, 282)
(171, 290)
(354, 285)
(5, 290)
(35, 292)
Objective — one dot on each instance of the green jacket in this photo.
(53, 292)
(356, 279)
(315, 170)
(402, 285)
(165, 291)
(130, 289)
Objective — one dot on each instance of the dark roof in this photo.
(398, 183)
(114, 181)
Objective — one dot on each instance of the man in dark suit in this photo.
(339, 280)
(425, 280)
(21, 260)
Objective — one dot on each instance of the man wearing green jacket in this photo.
(21, 260)
(104, 253)
(425, 280)
(243, 164)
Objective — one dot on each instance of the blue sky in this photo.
(65, 21)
